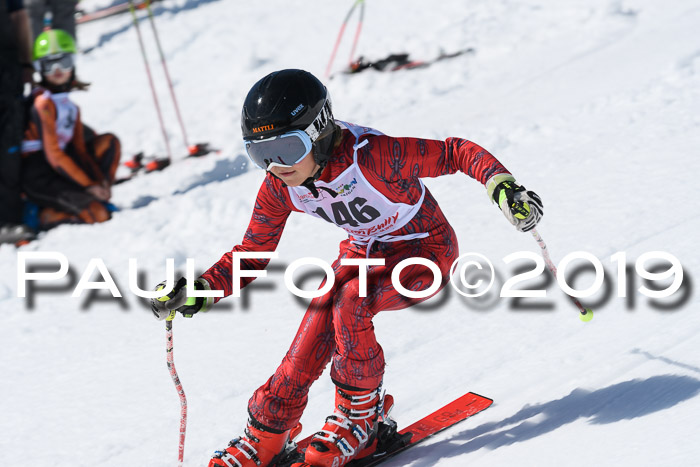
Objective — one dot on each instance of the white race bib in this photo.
(360, 209)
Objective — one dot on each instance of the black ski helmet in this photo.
(288, 100)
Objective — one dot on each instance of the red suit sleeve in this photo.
(272, 208)
(405, 158)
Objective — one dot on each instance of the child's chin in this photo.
(58, 81)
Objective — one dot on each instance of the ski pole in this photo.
(167, 76)
(178, 387)
(586, 314)
(357, 32)
(340, 36)
(150, 78)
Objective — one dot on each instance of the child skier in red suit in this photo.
(370, 185)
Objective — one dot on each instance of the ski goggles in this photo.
(49, 65)
(289, 148)
(279, 151)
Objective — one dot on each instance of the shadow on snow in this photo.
(651, 356)
(223, 170)
(623, 401)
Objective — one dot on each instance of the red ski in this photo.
(392, 442)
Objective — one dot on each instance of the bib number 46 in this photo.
(354, 213)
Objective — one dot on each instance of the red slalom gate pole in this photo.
(178, 387)
(167, 75)
(340, 36)
(586, 314)
(357, 32)
(150, 78)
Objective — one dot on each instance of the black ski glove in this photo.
(177, 300)
(522, 208)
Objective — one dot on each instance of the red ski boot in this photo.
(257, 448)
(351, 432)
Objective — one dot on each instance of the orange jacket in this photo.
(44, 134)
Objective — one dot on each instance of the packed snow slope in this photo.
(594, 104)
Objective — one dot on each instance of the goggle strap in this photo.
(320, 122)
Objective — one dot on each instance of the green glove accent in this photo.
(197, 304)
(177, 300)
(522, 208)
(494, 181)
(519, 210)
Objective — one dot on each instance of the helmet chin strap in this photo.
(322, 148)
(309, 183)
(311, 186)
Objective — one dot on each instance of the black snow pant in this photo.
(49, 189)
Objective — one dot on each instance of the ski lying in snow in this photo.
(402, 61)
(139, 164)
(392, 442)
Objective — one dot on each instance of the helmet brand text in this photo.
(263, 128)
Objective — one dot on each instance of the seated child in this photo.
(67, 170)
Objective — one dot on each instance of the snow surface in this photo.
(592, 103)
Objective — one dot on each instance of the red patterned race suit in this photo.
(388, 213)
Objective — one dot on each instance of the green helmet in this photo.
(52, 42)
